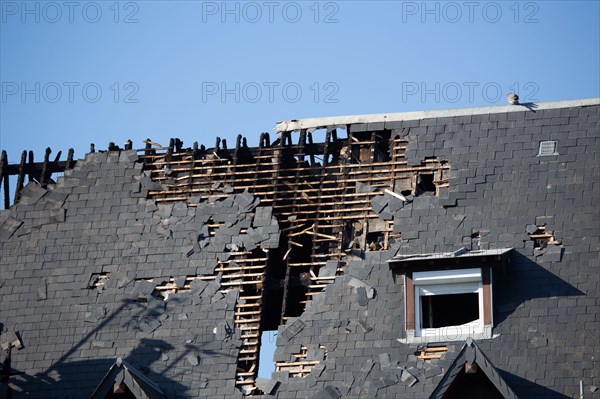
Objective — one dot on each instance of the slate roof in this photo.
(82, 262)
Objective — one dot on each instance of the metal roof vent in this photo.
(548, 148)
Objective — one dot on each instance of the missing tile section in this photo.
(98, 281)
(545, 246)
(304, 361)
(318, 200)
(430, 352)
(541, 237)
(548, 148)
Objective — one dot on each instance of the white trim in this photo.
(315, 123)
(450, 288)
(447, 276)
(448, 336)
(446, 282)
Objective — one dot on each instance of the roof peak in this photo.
(315, 123)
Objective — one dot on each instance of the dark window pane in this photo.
(449, 310)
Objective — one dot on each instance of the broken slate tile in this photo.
(378, 203)
(329, 392)
(293, 330)
(354, 282)
(164, 210)
(364, 326)
(95, 314)
(456, 221)
(144, 287)
(432, 371)
(384, 360)
(192, 359)
(267, 386)
(366, 368)
(189, 338)
(318, 369)
(315, 353)
(124, 278)
(180, 281)
(408, 378)
(388, 379)
(553, 253)
(361, 293)
(8, 228)
(223, 331)
(31, 194)
(531, 228)
(149, 324)
(54, 200)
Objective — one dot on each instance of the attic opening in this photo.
(120, 391)
(449, 310)
(541, 237)
(425, 184)
(298, 278)
(375, 241)
(472, 383)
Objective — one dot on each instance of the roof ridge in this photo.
(341, 121)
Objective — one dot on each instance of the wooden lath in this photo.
(320, 198)
(430, 353)
(300, 366)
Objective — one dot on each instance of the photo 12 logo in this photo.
(269, 92)
(68, 92)
(253, 12)
(471, 92)
(53, 12)
(453, 12)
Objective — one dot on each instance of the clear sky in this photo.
(73, 73)
(79, 72)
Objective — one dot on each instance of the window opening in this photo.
(449, 310)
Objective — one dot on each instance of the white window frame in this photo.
(444, 282)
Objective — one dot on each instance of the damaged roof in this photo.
(182, 261)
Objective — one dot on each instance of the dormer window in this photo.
(448, 296)
(448, 303)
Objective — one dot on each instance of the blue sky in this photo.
(81, 72)
(194, 70)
